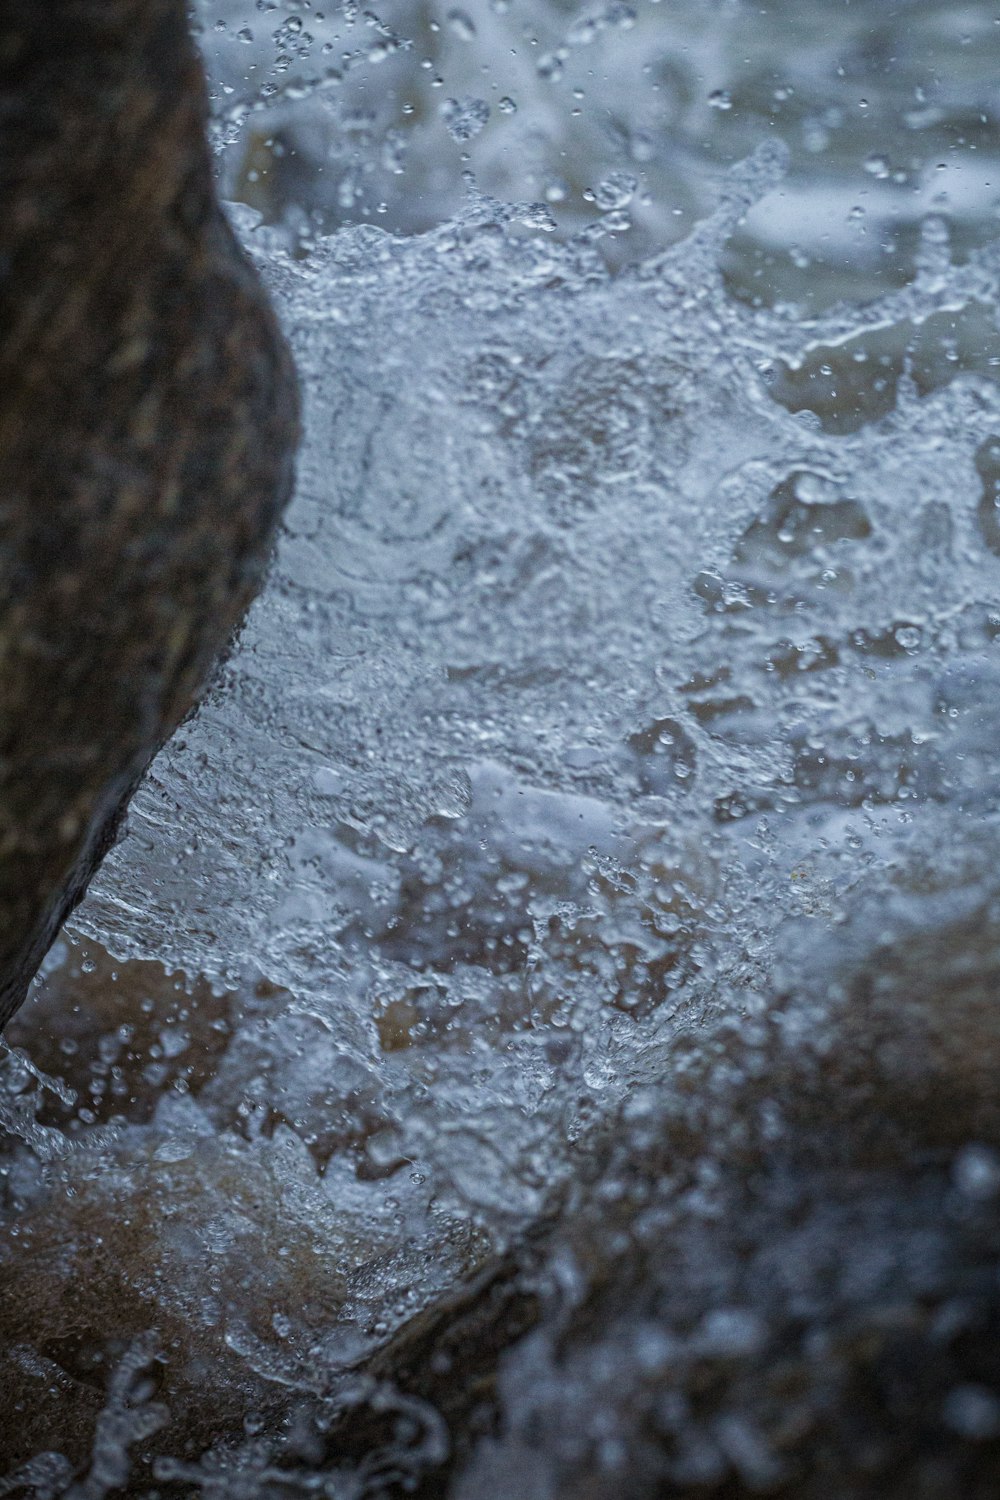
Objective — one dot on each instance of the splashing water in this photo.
(579, 650)
(625, 661)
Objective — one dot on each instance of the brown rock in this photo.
(148, 419)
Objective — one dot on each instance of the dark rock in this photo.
(148, 420)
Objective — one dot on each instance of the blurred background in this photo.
(624, 114)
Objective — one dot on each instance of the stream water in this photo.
(599, 807)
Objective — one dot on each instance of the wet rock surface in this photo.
(147, 425)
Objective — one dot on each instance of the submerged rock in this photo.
(147, 426)
(779, 1274)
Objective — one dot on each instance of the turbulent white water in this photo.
(583, 665)
(627, 647)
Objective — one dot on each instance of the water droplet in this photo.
(464, 118)
(536, 216)
(461, 24)
(615, 191)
